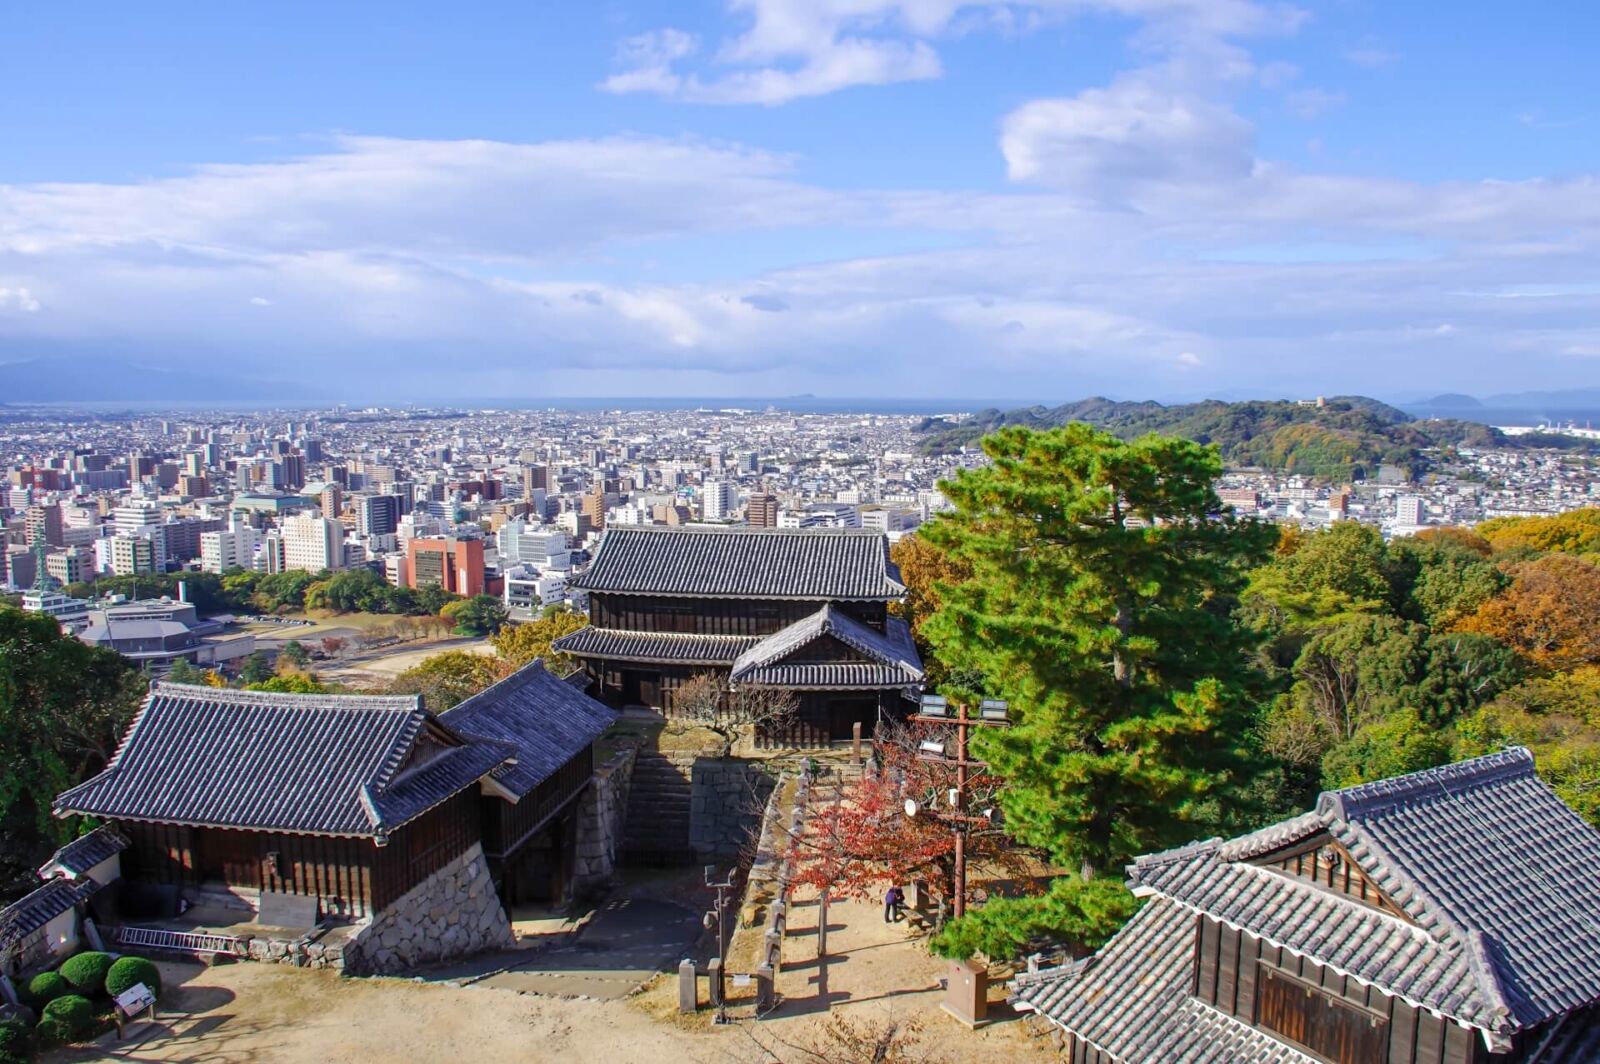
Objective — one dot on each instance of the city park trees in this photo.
(63, 707)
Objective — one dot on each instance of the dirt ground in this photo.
(877, 973)
(378, 666)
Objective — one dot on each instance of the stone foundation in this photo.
(727, 796)
(602, 815)
(451, 914)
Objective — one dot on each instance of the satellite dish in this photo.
(911, 807)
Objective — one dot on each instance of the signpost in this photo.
(132, 1001)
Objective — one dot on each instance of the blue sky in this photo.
(1161, 198)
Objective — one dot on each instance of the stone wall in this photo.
(602, 815)
(452, 913)
(726, 800)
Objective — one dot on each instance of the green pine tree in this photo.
(1104, 579)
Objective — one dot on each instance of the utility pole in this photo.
(934, 710)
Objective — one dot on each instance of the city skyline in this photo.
(769, 197)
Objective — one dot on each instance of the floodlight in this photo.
(934, 706)
(993, 709)
(931, 746)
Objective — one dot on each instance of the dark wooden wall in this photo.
(337, 870)
(712, 616)
(507, 826)
(1227, 971)
(424, 846)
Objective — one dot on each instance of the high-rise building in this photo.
(1408, 510)
(377, 515)
(143, 520)
(535, 478)
(762, 510)
(44, 522)
(293, 472)
(234, 548)
(331, 499)
(130, 555)
(312, 543)
(452, 564)
(718, 500)
(594, 506)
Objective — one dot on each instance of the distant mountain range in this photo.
(1344, 438)
(1513, 408)
(108, 380)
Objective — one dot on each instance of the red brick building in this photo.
(453, 564)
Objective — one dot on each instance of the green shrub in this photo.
(74, 1012)
(15, 1039)
(52, 1032)
(87, 972)
(130, 971)
(46, 987)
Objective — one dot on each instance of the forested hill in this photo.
(1346, 437)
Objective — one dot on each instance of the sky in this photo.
(1044, 199)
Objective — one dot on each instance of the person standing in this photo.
(893, 902)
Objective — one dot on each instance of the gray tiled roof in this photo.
(310, 764)
(1486, 857)
(1132, 999)
(1495, 876)
(1357, 940)
(546, 719)
(892, 659)
(678, 648)
(48, 901)
(86, 851)
(819, 564)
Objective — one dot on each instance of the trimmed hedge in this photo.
(129, 972)
(74, 1012)
(87, 972)
(46, 987)
(15, 1040)
(52, 1032)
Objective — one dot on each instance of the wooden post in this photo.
(855, 742)
(960, 899)
(822, 924)
(719, 992)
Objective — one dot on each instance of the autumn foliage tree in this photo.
(518, 644)
(1550, 613)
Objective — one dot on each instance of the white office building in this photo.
(718, 500)
(233, 549)
(312, 543)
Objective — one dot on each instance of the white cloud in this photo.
(791, 49)
(646, 62)
(1107, 144)
(18, 299)
(1144, 233)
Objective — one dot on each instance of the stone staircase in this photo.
(657, 828)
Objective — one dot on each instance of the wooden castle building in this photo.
(1451, 916)
(362, 807)
(804, 610)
